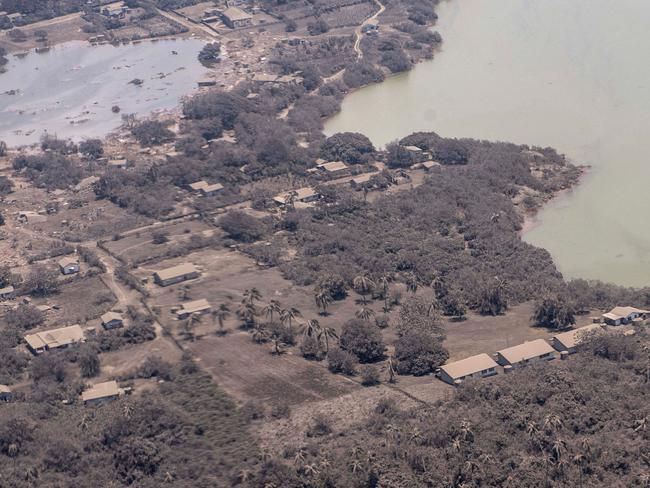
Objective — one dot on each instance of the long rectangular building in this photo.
(478, 366)
(528, 352)
(176, 274)
(569, 341)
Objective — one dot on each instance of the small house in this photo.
(370, 27)
(117, 163)
(211, 190)
(176, 274)
(568, 341)
(200, 307)
(429, 165)
(479, 366)
(301, 195)
(624, 315)
(526, 353)
(40, 342)
(205, 82)
(334, 168)
(30, 217)
(361, 180)
(112, 320)
(68, 265)
(236, 18)
(102, 393)
(5, 393)
(7, 293)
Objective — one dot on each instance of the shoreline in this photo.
(531, 218)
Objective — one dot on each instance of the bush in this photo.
(419, 353)
(152, 132)
(554, 312)
(340, 361)
(333, 284)
(92, 148)
(155, 367)
(24, 317)
(88, 361)
(363, 339)
(241, 226)
(369, 375)
(310, 347)
(320, 426)
(349, 147)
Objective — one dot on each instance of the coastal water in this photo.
(564, 73)
(70, 90)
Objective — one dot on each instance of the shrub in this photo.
(88, 361)
(362, 339)
(554, 312)
(419, 353)
(319, 426)
(152, 132)
(340, 361)
(241, 226)
(310, 347)
(155, 367)
(369, 375)
(24, 317)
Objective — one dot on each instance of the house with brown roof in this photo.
(7, 293)
(526, 353)
(201, 306)
(40, 342)
(624, 315)
(360, 180)
(176, 274)
(236, 18)
(301, 195)
(334, 168)
(569, 341)
(206, 189)
(101, 393)
(112, 320)
(68, 265)
(479, 366)
(5, 393)
(118, 163)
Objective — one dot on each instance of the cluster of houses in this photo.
(538, 350)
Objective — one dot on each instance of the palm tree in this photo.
(220, 314)
(328, 333)
(189, 325)
(411, 283)
(277, 345)
(259, 334)
(288, 315)
(558, 449)
(552, 423)
(363, 285)
(311, 328)
(251, 296)
(272, 307)
(390, 369)
(384, 284)
(364, 313)
(247, 313)
(466, 431)
(323, 300)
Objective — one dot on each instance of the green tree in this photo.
(554, 312)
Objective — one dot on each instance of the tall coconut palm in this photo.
(220, 314)
(189, 325)
(251, 296)
(411, 282)
(384, 285)
(259, 334)
(328, 333)
(323, 300)
(365, 313)
(287, 316)
(247, 313)
(311, 328)
(271, 308)
(363, 285)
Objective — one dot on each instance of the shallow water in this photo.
(564, 73)
(69, 91)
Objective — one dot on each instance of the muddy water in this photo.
(564, 73)
(69, 91)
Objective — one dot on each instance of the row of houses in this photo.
(538, 350)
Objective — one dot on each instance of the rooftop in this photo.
(301, 194)
(67, 261)
(469, 365)
(101, 390)
(234, 14)
(55, 338)
(194, 306)
(175, 271)
(110, 316)
(527, 350)
(198, 185)
(572, 338)
(621, 312)
(333, 166)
